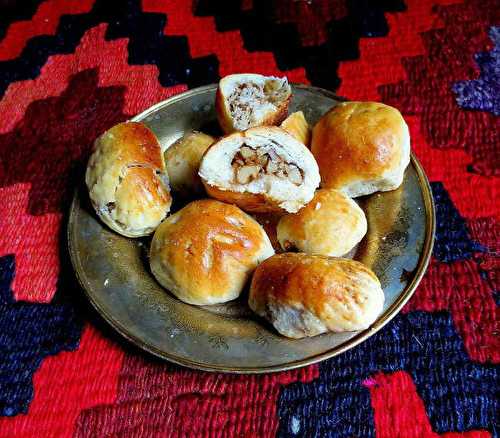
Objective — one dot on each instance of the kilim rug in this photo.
(70, 69)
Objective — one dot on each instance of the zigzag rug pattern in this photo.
(147, 45)
(263, 29)
(13, 12)
(68, 71)
(47, 124)
(454, 45)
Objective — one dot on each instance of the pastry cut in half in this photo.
(263, 169)
(247, 100)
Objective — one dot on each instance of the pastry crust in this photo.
(126, 179)
(305, 295)
(206, 252)
(331, 224)
(247, 100)
(183, 159)
(361, 148)
(262, 169)
(296, 124)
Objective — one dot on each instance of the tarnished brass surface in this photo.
(114, 271)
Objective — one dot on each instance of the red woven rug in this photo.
(71, 69)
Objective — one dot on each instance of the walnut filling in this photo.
(242, 102)
(249, 163)
(247, 98)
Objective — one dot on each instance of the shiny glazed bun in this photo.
(247, 100)
(206, 252)
(296, 124)
(262, 169)
(361, 148)
(126, 179)
(183, 159)
(331, 224)
(305, 295)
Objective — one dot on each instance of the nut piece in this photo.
(249, 162)
(294, 174)
(262, 160)
(247, 152)
(272, 167)
(246, 174)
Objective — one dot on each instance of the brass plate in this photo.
(114, 273)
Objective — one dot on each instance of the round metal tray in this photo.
(114, 272)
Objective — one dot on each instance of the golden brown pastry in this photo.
(305, 295)
(206, 252)
(126, 179)
(361, 148)
(247, 100)
(331, 224)
(183, 160)
(296, 124)
(262, 169)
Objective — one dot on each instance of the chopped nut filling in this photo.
(249, 163)
(248, 97)
(243, 99)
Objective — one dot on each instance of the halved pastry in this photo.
(247, 100)
(127, 181)
(263, 169)
(296, 124)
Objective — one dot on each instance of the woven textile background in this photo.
(69, 69)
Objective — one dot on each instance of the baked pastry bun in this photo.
(126, 179)
(305, 295)
(247, 100)
(296, 124)
(331, 224)
(182, 160)
(361, 148)
(206, 252)
(262, 169)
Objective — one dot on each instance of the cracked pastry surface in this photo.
(331, 224)
(126, 179)
(262, 169)
(247, 100)
(206, 252)
(306, 295)
(361, 148)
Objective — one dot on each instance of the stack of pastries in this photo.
(267, 162)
